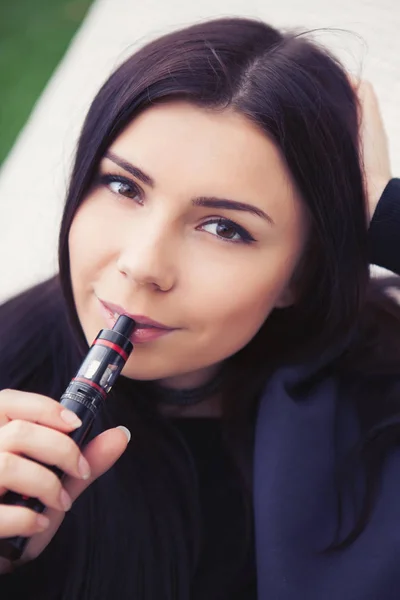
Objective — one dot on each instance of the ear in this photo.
(287, 297)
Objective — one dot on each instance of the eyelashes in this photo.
(122, 186)
(226, 230)
(225, 227)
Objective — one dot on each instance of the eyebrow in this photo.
(135, 171)
(231, 205)
(209, 202)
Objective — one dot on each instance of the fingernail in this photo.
(84, 468)
(42, 521)
(65, 500)
(126, 431)
(70, 418)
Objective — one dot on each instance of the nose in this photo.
(147, 259)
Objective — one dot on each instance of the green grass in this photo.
(34, 35)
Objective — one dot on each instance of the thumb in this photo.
(101, 453)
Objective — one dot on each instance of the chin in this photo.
(144, 372)
(190, 377)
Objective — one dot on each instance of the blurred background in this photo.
(33, 39)
(55, 54)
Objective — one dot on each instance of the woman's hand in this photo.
(37, 427)
(373, 144)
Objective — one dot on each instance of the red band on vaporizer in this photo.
(92, 384)
(102, 342)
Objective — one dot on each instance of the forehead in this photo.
(201, 138)
(195, 150)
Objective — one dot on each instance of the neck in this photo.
(203, 400)
(190, 380)
(211, 407)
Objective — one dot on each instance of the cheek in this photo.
(87, 255)
(235, 299)
(89, 242)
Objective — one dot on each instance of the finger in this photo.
(30, 479)
(17, 520)
(354, 81)
(101, 453)
(360, 86)
(369, 103)
(45, 445)
(37, 409)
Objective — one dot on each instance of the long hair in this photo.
(299, 95)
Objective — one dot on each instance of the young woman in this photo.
(217, 197)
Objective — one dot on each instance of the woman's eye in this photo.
(121, 186)
(228, 230)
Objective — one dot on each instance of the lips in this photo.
(146, 329)
(142, 321)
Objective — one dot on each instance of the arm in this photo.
(383, 192)
(384, 231)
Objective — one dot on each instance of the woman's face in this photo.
(193, 222)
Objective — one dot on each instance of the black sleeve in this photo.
(384, 231)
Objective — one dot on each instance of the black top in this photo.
(225, 572)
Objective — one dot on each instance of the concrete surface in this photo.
(34, 177)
